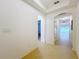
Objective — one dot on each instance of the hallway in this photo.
(51, 52)
(19, 21)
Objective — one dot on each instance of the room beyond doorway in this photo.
(63, 29)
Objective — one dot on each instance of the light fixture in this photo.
(56, 2)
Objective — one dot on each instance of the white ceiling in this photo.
(47, 6)
(47, 3)
(50, 3)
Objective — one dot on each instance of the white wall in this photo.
(18, 29)
(74, 29)
(49, 30)
(43, 29)
(77, 32)
(50, 24)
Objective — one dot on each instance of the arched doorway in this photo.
(63, 29)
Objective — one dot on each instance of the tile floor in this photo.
(51, 52)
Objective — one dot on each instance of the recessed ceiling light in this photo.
(56, 2)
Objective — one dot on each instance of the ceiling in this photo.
(50, 3)
(47, 6)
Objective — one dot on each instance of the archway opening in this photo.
(63, 25)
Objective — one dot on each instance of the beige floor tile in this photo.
(51, 52)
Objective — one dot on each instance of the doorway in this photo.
(63, 29)
(41, 29)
